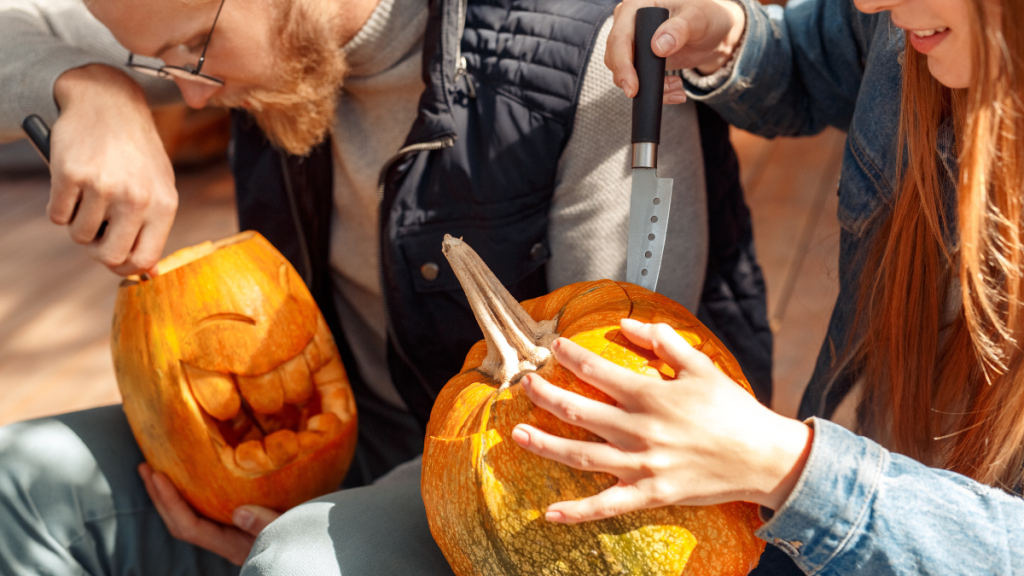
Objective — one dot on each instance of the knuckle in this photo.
(580, 460)
(142, 262)
(663, 331)
(587, 367)
(134, 201)
(660, 493)
(606, 510)
(570, 410)
(104, 192)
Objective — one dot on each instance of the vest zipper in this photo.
(461, 71)
(446, 142)
(460, 60)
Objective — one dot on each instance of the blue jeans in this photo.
(71, 502)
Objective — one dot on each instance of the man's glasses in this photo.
(188, 72)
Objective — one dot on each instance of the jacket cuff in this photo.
(831, 499)
(755, 57)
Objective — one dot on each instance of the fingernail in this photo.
(676, 98)
(554, 516)
(630, 323)
(665, 42)
(243, 518)
(522, 437)
(526, 381)
(556, 345)
(625, 88)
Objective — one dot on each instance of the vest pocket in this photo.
(513, 249)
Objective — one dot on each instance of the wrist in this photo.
(97, 83)
(721, 55)
(782, 461)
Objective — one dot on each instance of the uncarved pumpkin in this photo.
(231, 380)
(485, 496)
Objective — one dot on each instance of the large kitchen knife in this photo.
(651, 196)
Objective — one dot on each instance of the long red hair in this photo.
(942, 310)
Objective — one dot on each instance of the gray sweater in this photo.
(40, 39)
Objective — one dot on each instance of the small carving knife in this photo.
(651, 197)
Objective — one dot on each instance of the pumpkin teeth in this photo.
(296, 381)
(264, 393)
(251, 456)
(263, 422)
(337, 399)
(214, 391)
(282, 447)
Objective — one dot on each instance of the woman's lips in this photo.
(924, 41)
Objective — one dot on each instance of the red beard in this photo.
(297, 114)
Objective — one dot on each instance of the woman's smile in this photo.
(924, 41)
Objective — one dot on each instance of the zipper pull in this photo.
(461, 71)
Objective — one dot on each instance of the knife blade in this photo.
(651, 197)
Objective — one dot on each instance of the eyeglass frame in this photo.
(193, 71)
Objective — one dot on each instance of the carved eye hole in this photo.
(227, 316)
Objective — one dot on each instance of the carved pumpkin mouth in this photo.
(261, 423)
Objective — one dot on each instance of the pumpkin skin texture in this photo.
(485, 496)
(230, 378)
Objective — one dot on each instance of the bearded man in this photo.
(363, 131)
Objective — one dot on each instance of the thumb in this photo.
(253, 519)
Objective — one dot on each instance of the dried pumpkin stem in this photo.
(516, 343)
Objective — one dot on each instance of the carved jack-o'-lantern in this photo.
(231, 380)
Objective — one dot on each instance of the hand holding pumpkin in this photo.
(184, 524)
(698, 439)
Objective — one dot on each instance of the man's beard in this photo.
(298, 112)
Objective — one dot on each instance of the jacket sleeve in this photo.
(797, 69)
(859, 509)
(42, 39)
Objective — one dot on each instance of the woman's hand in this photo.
(699, 34)
(108, 165)
(183, 523)
(699, 439)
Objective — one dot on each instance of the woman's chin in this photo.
(949, 76)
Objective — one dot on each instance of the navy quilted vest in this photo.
(479, 163)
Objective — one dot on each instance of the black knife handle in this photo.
(650, 71)
(39, 134)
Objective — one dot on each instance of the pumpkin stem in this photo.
(516, 343)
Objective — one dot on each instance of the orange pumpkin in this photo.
(231, 380)
(485, 496)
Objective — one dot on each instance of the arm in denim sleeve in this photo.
(42, 39)
(860, 509)
(798, 69)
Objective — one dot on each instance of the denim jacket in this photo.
(857, 508)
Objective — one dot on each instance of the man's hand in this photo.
(183, 523)
(107, 164)
(699, 34)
